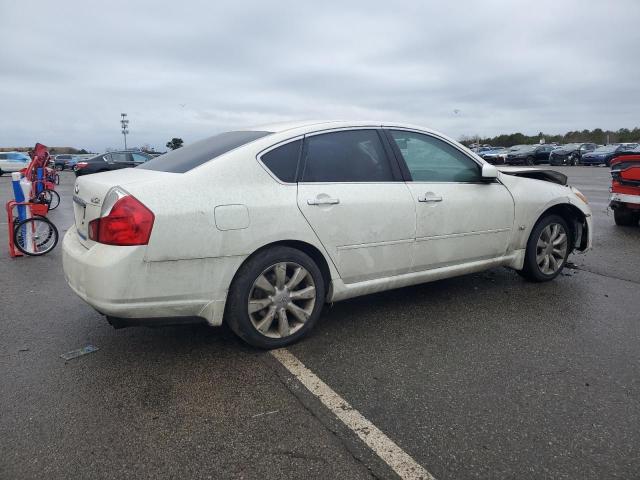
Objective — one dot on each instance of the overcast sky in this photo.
(191, 69)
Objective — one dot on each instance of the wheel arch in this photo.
(575, 218)
(314, 252)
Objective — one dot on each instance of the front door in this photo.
(460, 218)
(355, 200)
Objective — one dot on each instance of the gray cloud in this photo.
(191, 69)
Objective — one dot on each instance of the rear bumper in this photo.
(617, 198)
(119, 283)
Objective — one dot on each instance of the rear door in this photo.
(353, 196)
(460, 217)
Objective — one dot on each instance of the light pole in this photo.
(125, 128)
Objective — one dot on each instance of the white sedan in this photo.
(259, 228)
(13, 162)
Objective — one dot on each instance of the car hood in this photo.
(536, 174)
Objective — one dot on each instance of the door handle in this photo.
(323, 201)
(429, 197)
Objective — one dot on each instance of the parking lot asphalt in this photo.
(482, 376)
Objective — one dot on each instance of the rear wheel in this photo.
(547, 249)
(35, 236)
(276, 298)
(625, 217)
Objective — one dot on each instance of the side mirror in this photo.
(489, 171)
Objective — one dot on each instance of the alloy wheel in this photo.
(281, 299)
(551, 249)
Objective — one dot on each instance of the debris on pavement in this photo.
(79, 352)
(265, 413)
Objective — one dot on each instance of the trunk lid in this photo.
(90, 191)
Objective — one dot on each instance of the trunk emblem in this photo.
(76, 189)
(95, 200)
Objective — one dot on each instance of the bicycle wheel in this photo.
(50, 197)
(35, 236)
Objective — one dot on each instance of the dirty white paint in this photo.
(399, 460)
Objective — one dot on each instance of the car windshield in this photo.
(569, 146)
(186, 158)
(628, 147)
(606, 149)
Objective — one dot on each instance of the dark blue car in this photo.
(603, 155)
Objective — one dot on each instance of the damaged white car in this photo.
(259, 228)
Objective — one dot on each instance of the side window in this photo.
(119, 157)
(283, 161)
(3, 156)
(430, 159)
(347, 156)
(139, 158)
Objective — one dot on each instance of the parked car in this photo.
(529, 155)
(71, 163)
(570, 154)
(604, 154)
(262, 227)
(496, 156)
(13, 161)
(625, 187)
(60, 161)
(110, 161)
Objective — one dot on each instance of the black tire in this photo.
(237, 307)
(625, 217)
(45, 242)
(529, 161)
(573, 160)
(59, 167)
(1, 172)
(50, 197)
(531, 270)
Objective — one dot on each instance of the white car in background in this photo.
(261, 227)
(13, 162)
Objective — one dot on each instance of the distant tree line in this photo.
(597, 135)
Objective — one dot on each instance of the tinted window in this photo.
(348, 156)
(119, 157)
(3, 156)
(432, 160)
(139, 158)
(283, 161)
(184, 159)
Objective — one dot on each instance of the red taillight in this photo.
(128, 223)
(80, 165)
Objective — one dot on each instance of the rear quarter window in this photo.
(187, 158)
(283, 161)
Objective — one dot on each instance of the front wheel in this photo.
(50, 197)
(35, 236)
(529, 161)
(547, 249)
(573, 160)
(276, 298)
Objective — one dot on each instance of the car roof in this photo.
(316, 125)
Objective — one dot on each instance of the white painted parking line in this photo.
(399, 460)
